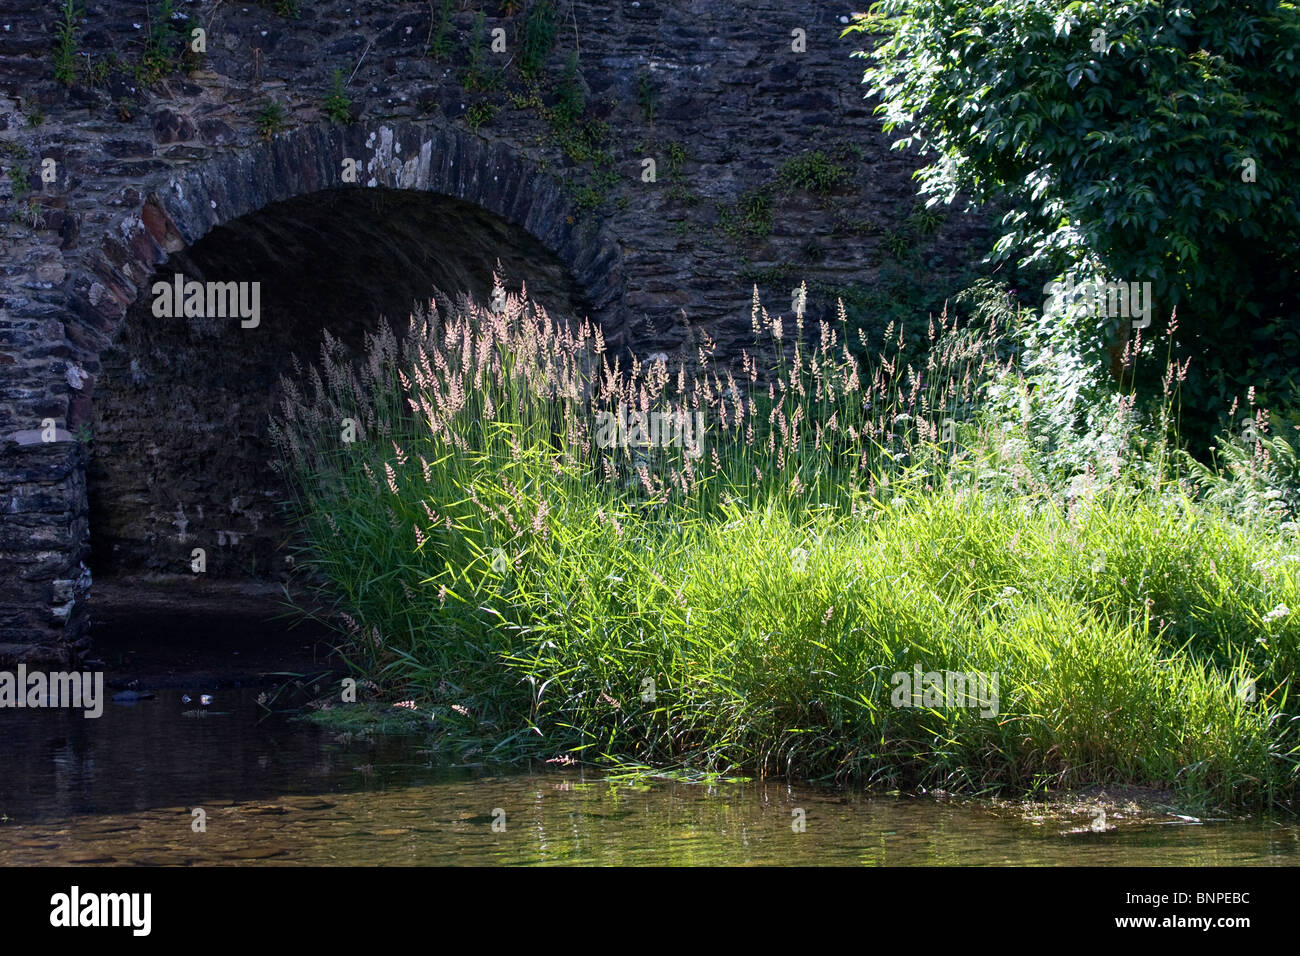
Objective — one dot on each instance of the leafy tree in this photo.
(1130, 141)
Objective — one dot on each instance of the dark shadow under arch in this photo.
(179, 211)
(178, 406)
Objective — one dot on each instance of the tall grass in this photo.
(745, 608)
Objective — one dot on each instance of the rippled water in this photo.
(122, 789)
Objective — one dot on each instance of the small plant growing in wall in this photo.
(338, 105)
(18, 180)
(897, 243)
(846, 225)
(647, 97)
(65, 44)
(270, 119)
(814, 172)
(159, 56)
(29, 214)
(439, 41)
(539, 31)
(678, 191)
(98, 70)
(925, 221)
(584, 141)
(751, 217)
(676, 157)
(480, 114)
(479, 76)
(571, 102)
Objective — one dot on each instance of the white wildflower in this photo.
(1277, 613)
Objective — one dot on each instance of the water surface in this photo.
(122, 790)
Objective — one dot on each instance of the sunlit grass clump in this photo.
(742, 599)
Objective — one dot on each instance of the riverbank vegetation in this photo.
(1081, 504)
(845, 520)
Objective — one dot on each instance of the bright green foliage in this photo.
(846, 520)
(1124, 136)
(814, 172)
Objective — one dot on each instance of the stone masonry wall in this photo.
(119, 175)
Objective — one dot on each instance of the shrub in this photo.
(1139, 141)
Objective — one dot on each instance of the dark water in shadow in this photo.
(122, 788)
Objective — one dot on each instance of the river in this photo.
(124, 788)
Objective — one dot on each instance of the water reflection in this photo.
(122, 789)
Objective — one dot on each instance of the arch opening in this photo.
(180, 456)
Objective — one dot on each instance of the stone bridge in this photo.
(643, 163)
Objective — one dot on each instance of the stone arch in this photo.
(176, 213)
(172, 211)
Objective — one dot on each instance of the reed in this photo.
(746, 608)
